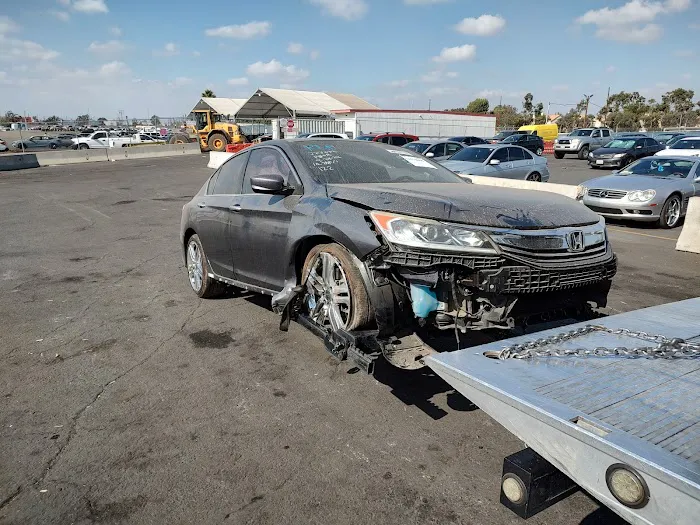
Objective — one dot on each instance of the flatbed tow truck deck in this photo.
(626, 430)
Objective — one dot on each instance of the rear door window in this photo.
(438, 150)
(397, 141)
(384, 140)
(451, 149)
(500, 154)
(515, 154)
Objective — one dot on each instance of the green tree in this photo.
(53, 120)
(82, 120)
(680, 103)
(135, 122)
(508, 117)
(527, 103)
(478, 105)
(102, 121)
(208, 93)
(155, 120)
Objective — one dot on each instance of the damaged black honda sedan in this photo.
(369, 245)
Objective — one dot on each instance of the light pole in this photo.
(585, 118)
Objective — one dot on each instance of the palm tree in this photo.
(208, 93)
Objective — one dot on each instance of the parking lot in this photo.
(126, 399)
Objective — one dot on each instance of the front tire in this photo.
(558, 155)
(534, 177)
(198, 271)
(671, 212)
(83, 146)
(217, 142)
(179, 138)
(583, 153)
(336, 298)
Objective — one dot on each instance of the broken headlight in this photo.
(429, 234)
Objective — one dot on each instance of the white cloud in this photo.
(64, 2)
(115, 31)
(15, 50)
(694, 26)
(90, 6)
(451, 74)
(398, 83)
(170, 49)
(295, 48)
(277, 69)
(347, 9)
(425, 2)
(241, 81)
(63, 16)
(113, 69)
(632, 22)
(456, 54)
(559, 88)
(405, 96)
(686, 76)
(431, 77)
(196, 54)
(439, 91)
(180, 82)
(498, 93)
(684, 53)
(110, 47)
(7, 25)
(485, 25)
(241, 32)
(610, 69)
(313, 55)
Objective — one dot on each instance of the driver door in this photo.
(260, 222)
(502, 169)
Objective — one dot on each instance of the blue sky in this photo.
(156, 56)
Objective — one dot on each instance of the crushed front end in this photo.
(462, 277)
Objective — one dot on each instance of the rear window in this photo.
(366, 137)
(351, 162)
(687, 144)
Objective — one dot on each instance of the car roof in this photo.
(691, 137)
(433, 142)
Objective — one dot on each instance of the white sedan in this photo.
(686, 147)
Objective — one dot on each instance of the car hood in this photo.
(468, 204)
(461, 165)
(609, 151)
(629, 182)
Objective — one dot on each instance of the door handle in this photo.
(235, 207)
(201, 204)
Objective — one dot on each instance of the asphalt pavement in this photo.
(126, 399)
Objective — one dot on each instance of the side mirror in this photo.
(430, 155)
(697, 180)
(272, 183)
(494, 162)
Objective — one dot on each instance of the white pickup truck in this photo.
(105, 139)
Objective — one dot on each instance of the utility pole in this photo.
(585, 118)
(429, 101)
(607, 107)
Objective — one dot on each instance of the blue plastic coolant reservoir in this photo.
(423, 300)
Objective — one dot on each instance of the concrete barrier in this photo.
(689, 239)
(21, 161)
(562, 189)
(217, 158)
(70, 156)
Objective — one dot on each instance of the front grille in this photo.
(424, 259)
(562, 258)
(606, 194)
(564, 141)
(603, 156)
(521, 279)
(610, 211)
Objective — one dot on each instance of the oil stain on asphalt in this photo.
(209, 339)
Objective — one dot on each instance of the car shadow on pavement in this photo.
(603, 516)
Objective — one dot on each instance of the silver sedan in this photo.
(499, 160)
(651, 189)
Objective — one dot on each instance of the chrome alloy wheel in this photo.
(673, 212)
(328, 294)
(195, 269)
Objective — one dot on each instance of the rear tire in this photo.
(558, 155)
(671, 212)
(179, 138)
(217, 142)
(336, 296)
(583, 153)
(198, 270)
(534, 177)
(539, 151)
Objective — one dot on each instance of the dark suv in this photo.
(468, 140)
(533, 143)
(393, 139)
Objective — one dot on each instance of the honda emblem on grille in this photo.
(576, 241)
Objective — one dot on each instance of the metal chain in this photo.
(665, 348)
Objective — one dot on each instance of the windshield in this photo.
(352, 162)
(503, 134)
(687, 144)
(366, 137)
(200, 120)
(659, 167)
(581, 133)
(620, 143)
(418, 147)
(472, 154)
